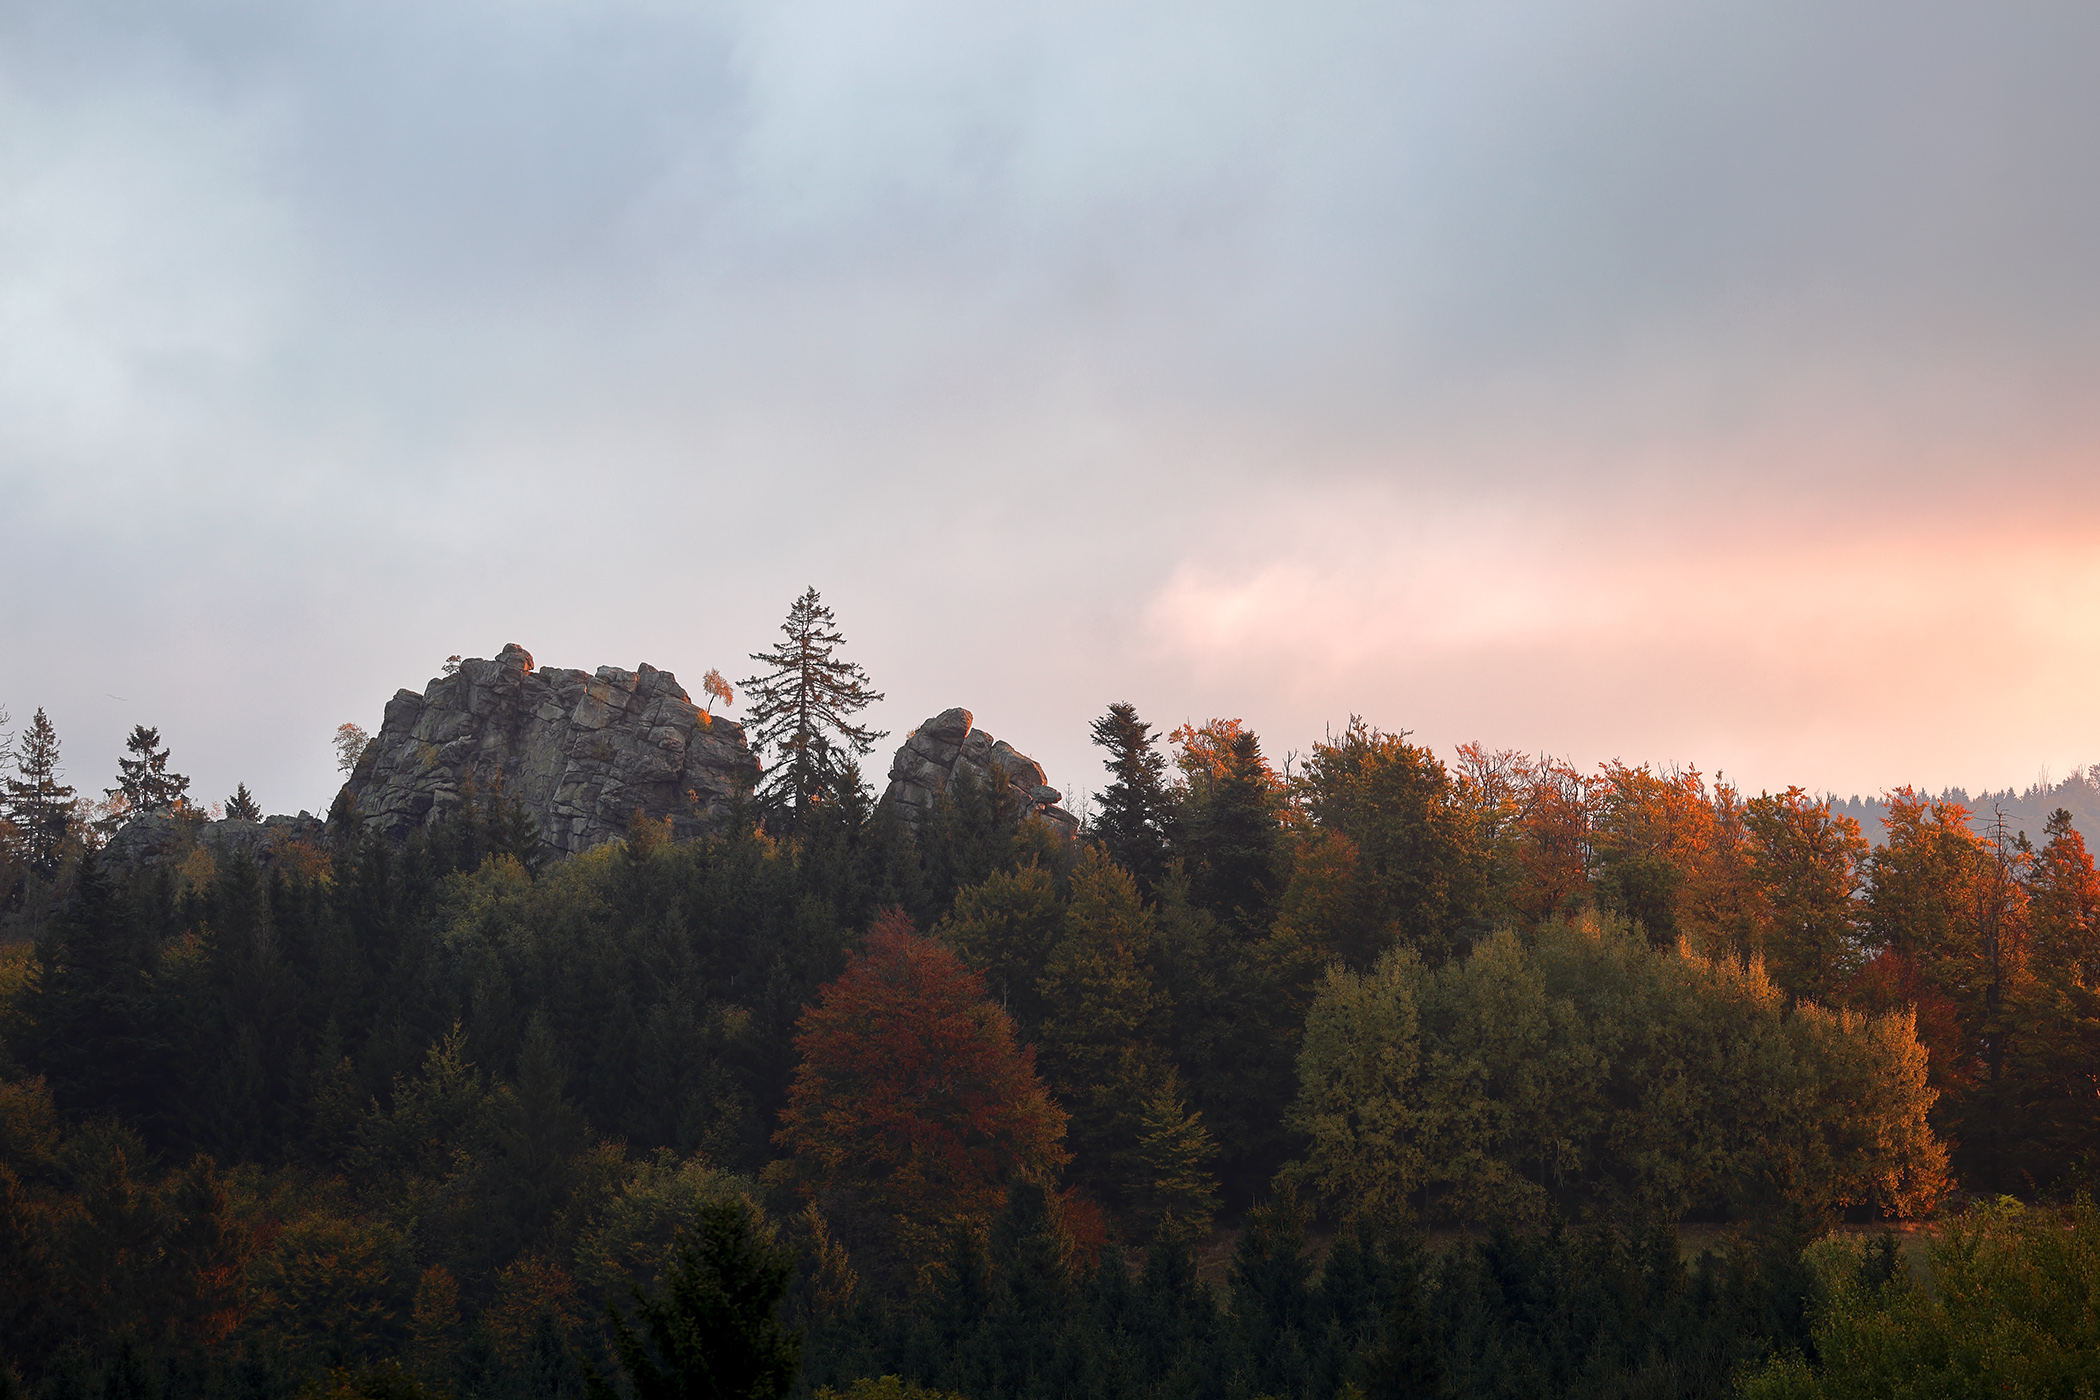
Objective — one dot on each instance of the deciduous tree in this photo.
(912, 1107)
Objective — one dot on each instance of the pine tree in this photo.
(802, 709)
(241, 807)
(1136, 807)
(143, 780)
(38, 805)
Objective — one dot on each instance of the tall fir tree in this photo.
(801, 709)
(37, 804)
(143, 780)
(1137, 807)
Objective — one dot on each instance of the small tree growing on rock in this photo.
(350, 744)
(143, 780)
(242, 806)
(717, 689)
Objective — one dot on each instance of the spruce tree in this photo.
(143, 779)
(242, 807)
(715, 1334)
(801, 708)
(1174, 1186)
(38, 805)
(1135, 808)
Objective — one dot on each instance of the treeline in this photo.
(434, 1108)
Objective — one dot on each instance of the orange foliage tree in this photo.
(912, 1107)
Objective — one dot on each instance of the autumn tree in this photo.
(801, 707)
(1805, 862)
(1651, 834)
(1548, 839)
(716, 689)
(350, 742)
(1947, 908)
(36, 803)
(912, 1107)
(143, 780)
(2054, 1066)
(1415, 847)
(1135, 809)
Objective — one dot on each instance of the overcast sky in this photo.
(1707, 383)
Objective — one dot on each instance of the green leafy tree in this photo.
(715, 1331)
(801, 708)
(37, 804)
(1356, 1102)
(2007, 1310)
(1136, 809)
(143, 780)
(242, 806)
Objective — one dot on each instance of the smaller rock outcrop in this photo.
(946, 747)
(153, 839)
(581, 752)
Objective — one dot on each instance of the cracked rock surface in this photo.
(581, 751)
(945, 747)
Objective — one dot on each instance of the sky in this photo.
(1692, 382)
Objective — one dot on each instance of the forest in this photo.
(1376, 1073)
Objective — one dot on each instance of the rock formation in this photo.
(944, 748)
(581, 752)
(153, 839)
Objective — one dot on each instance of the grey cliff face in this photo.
(153, 839)
(581, 752)
(946, 747)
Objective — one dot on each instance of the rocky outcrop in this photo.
(946, 747)
(154, 839)
(582, 752)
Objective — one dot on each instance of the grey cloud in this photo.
(416, 316)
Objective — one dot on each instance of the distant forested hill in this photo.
(2026, 810)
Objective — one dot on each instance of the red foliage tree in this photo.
(912, 1107)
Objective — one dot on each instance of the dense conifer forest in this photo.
(1389, 1075)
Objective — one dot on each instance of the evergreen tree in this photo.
(143, 780)
(92, 1023)
(1103, 1021)
(1174, 1185)
(802, 708)
(242, 807)
(1136, 808)
(1229, 823)
(715, 1334)
(38, 805)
